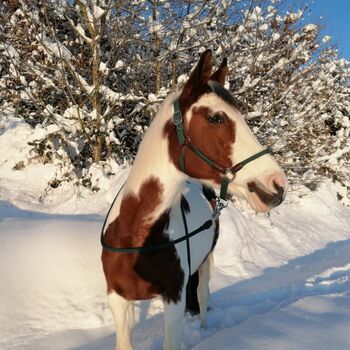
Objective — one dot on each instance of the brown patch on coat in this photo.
(162, 267)
(196, 85)
(221, 73)
(140, 276)
(202, 81)
(187, 100)
(214, 140)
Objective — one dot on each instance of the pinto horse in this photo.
(149, 210)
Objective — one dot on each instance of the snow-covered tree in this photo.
(63, 72)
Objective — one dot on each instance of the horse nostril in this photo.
(278, 183)
(279, 189)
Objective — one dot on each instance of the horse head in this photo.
(213, 124)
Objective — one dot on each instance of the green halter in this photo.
(229, 174)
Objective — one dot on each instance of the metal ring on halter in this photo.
(230, 175)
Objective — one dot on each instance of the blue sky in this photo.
(336, 19)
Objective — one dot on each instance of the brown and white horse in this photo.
(147, 210)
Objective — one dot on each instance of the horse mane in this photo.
(165, 110)
(219, 90)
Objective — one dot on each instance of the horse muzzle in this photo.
(271, 198)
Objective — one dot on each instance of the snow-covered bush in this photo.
(92, 73)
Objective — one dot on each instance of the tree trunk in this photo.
(173, 73)
(97, 149)
(156, 51)
(94, 28)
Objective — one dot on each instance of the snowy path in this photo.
(280, 283)
(299, 285)
(317, 322)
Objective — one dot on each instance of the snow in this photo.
(56, 49)
(281, 280)
(81, 32)
(98, 12)
(9, 50)
(310, 28)
(275, 36)
(326, 38)
(318, 322)
(273, 287)
(119, 64)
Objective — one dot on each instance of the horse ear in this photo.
(201, 74)
(220, 75)
(198, 78)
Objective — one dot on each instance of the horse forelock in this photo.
(225, 94)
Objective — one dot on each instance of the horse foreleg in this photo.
(173, 318)
(204, 272)
(123, 314)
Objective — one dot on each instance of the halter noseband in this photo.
(229, 174)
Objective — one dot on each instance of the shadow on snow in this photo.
(276, 287)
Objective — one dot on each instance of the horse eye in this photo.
(217, 118)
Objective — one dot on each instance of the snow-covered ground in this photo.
(282, 281)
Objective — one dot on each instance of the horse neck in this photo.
(153, 162)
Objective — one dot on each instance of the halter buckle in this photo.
(177, 118)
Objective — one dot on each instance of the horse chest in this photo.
(140, 276)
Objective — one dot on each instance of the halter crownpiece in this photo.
(229, 174)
